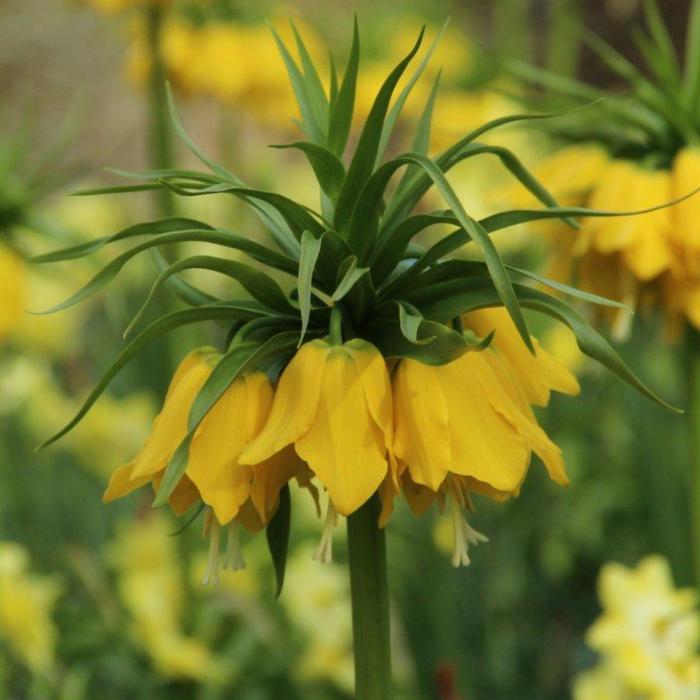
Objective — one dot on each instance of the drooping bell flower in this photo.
(169, 428)
(472, 418)
(333, 403)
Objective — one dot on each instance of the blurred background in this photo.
(104, 601)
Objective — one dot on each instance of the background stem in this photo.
(160, 134)
(693, 421)
(370, 603)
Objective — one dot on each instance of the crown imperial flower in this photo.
(357, 359)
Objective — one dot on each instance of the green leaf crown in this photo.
(656, 114)
(353, 263)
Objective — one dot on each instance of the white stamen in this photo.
(233, 558)
(464, 533)
(211, 575)
(324, 552)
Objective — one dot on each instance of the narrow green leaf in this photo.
(349, 274)
(117, 189)
(364, 159)
(112, 269)
(406, 199)
(159, 226)
(390, 251)
(396, 109)
(410, 320)
(328, 168)
(460, 269)
(184, 290)
(504, 219)
(277, 533)
(297, 216)
(314, 86)
(311, 126)
(662, 38)
(155, 330)
(310, 248)
(333, 88)
(185, 138)
(259, 285)
(571, 291)
(344, 104)
(480, 237)
(446, 344)
(444, 246)
(691, 78)
(421, 137)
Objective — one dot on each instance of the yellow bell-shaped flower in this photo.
(641, 241)
(686, 214)
(333, 403)
(472, 417)
(224, 483)
(169, 429)
(12, 287)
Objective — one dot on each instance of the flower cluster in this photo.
(430, 432)
(112, 7)
(647, 636)
(236, 64)
(642, 261)
(26, 607)
(384, 368)
(150, 587)
(638, 151)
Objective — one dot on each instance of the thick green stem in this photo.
(693, 418)
(370, 603)
(160, 135)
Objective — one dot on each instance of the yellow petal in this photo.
(121, 483)
(686, 215)
(12, 291)
(294, 406)
(422, 435)
(249, 518)
(170, 427)
(500, 388)
(615, 191)
(343, 446)
(193, 358)
(183, 497)
(268, 479)
(389, 489)
(374, 376)
(555, 374)
(216, 447)
(418, 497)
(484, 444)
(537, 374)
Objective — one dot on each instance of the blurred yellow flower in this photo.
(316, 599)
(560, 341)
(150, 587)
(112, 7)
(12, 291)
(647, 635)
(646, 260)
(601, 683)
(237, 64)
(26, 606)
